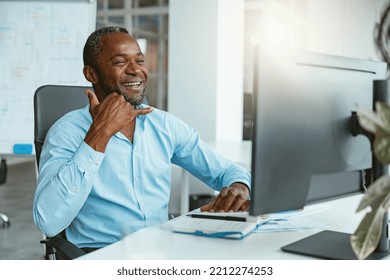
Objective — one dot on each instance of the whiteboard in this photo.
(41, 42)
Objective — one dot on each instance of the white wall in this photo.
(345, 27)
(206, 56)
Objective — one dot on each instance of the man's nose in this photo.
(133, 69)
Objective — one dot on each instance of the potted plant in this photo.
(377, 198)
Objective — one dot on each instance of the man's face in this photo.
(120, 68)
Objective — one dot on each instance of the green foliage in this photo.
(377, 199)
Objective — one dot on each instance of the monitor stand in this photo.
(330, 245)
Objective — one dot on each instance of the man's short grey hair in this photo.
(93, 45)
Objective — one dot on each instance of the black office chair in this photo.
(50, 103)
(4, 221)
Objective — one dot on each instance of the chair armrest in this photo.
(66, 249)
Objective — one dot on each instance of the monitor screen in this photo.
(303, 150)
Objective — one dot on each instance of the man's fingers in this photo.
(205, 207)
(239, 204)
(93, 101)
(226, 204)
(143, 111)
(224, 200)
(229, 199)
(245, 206)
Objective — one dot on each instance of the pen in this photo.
(218, 217)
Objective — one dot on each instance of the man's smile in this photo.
(133, 84)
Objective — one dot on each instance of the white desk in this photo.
(157, 243)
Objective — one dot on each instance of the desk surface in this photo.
(157, 243)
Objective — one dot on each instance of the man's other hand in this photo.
(230, 199)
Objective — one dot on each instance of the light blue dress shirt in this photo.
(99, 196)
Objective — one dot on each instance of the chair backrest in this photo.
(51, 102)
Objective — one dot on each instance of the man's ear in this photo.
(90, 74)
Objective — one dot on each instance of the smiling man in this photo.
(105, 169)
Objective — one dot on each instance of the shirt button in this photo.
(97, 163)
(89, 160)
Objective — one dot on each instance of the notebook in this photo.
(218, 225)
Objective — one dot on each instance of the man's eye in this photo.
(140, 61)
(119, 62)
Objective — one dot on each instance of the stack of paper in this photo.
(294, 220)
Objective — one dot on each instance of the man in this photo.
(106, 169)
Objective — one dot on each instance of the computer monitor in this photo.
(303, 150)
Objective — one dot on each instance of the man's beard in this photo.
(134, 100)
